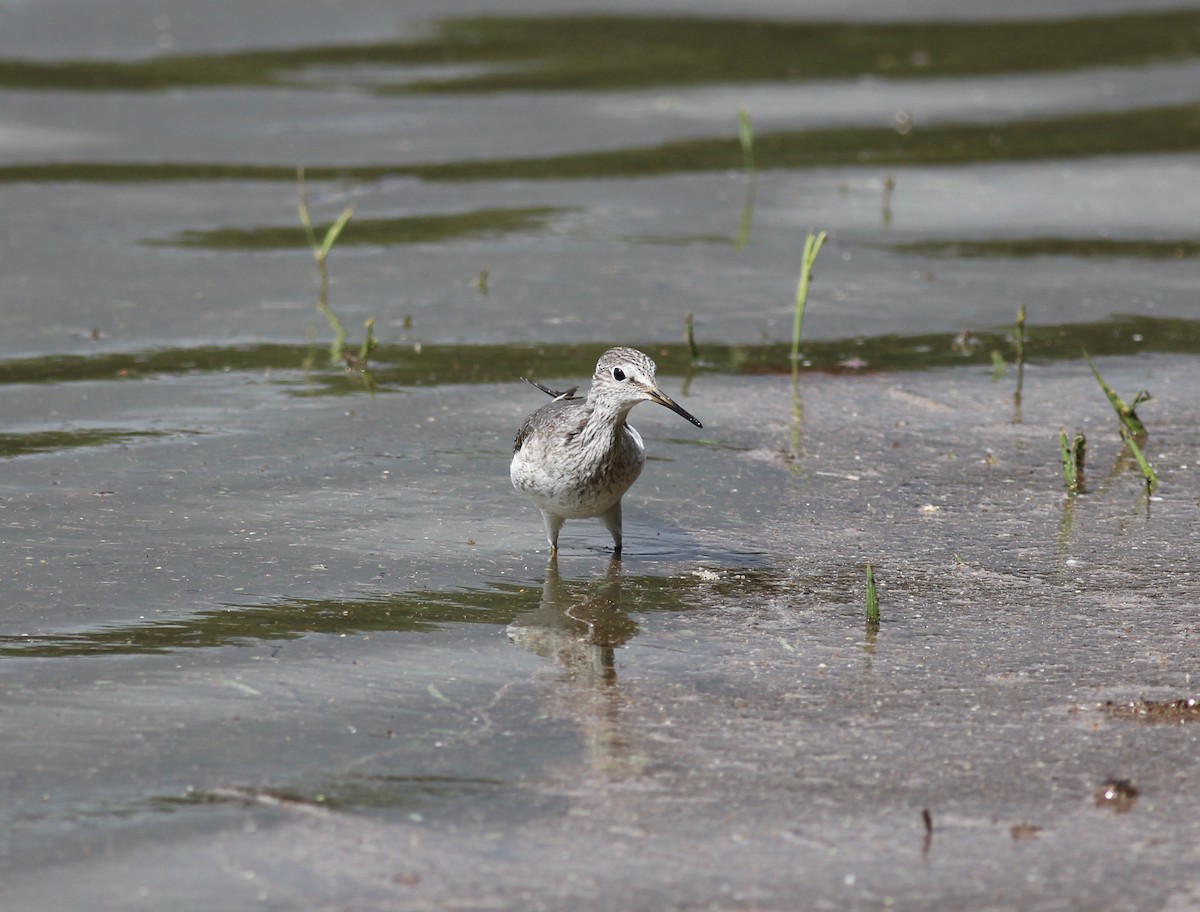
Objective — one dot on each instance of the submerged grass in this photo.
(414, 229)
(1081, 248)
(25, 444)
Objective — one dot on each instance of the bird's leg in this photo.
(612, 520)
(553, 525)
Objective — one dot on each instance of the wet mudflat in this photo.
(273, 639)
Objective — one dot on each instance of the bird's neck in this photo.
(604, 420)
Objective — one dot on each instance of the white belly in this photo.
(574, 483)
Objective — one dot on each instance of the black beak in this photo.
(663, 399)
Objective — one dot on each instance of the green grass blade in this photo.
(1019, 341)
(998, 365)
(331, 235)
(1072, 452)
(812, 246)
(872, 597)
(369, 342)
(746, 138)
(1070, 480)
(1079, 452)
(1147, 470)
(1125, 412)
(690, 336)
(305, 219)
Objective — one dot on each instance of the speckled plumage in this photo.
(575, 458)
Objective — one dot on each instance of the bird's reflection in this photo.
(579, 627)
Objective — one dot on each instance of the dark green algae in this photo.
(594, 52)
(400, 365)
(1167, 129)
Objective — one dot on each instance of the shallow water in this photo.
(281, 637)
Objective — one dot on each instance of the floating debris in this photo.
(1118, 794)
(1021, 832)
(1171, 712)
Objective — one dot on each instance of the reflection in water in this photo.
(1066, 535)
(747, 220)
(795, 451)
(579, 628)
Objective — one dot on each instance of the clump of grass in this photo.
(320, 252)
(1072, 452)
(812, 246)
(746, 138)
(872, 599)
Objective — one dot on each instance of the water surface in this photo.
(279, 634)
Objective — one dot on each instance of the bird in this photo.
(576, 457)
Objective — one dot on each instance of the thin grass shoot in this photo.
(1019, 342)
(1072, 451)
(872, 598)
(1148, 472)
(1126, 413)
(746, 138)
(812, 246)
(320, 252)
(689, 336)
(998, 366)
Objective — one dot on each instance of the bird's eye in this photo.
(618, 374)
